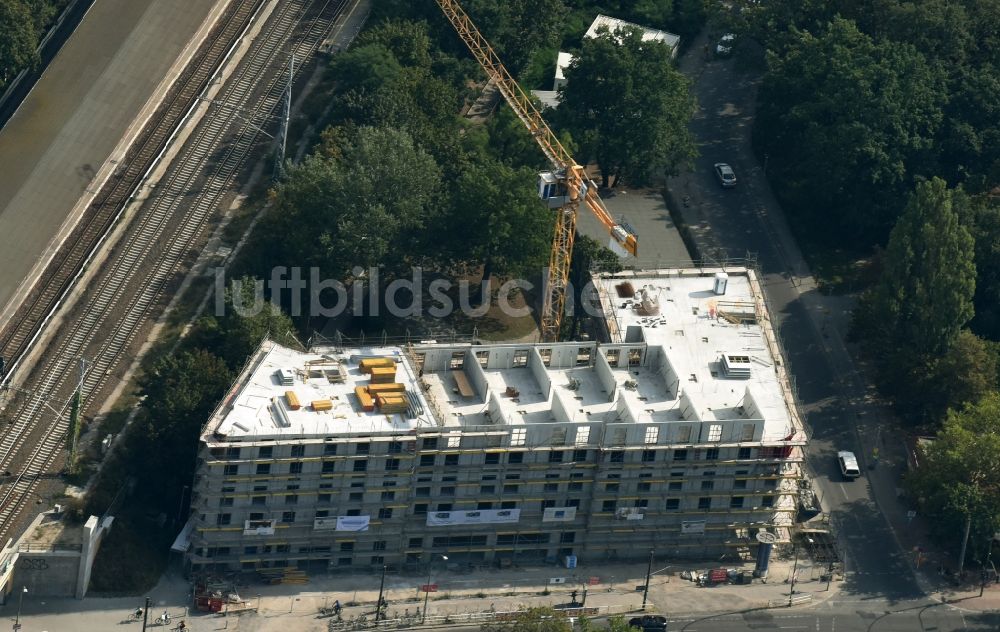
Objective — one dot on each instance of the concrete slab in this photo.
(660, 243)
(70, 123)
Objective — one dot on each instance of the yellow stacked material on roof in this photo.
(322, 404)
(366, 400)
(383, 375)
(395, 387)
(370, 363)
(391, 403)
(293, 400)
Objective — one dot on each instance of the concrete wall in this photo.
(562, 411)
(48, 573)
(689, 407)
(477, 377)
(495, 409)
(540, 373)
(93, 535)
(606, 377)
(660, 362)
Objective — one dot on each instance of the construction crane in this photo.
(563, 188)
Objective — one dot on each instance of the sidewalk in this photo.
(611, 589)
(830, 317)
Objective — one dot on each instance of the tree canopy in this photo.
(843, 119)
(628, 107)
(924, 297)
(360, 202)
(18, 39)
(959, 477)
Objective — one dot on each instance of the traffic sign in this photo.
(429, 588)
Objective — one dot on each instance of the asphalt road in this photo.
(916, 617)
(741, 220)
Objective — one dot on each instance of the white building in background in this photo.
(678, 433)
(550, 98)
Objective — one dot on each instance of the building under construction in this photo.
(677, 433)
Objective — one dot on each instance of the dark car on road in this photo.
(649, 623)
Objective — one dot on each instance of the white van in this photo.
(848, 465)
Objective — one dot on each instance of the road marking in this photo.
(843, 490)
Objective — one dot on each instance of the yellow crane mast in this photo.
(563, 188)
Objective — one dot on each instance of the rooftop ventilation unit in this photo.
(736, 366)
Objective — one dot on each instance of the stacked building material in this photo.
(394, 387)
(293, 400)
(391, 402)
(322, 404)
(371, 363)
(383, 375)
(367, 404)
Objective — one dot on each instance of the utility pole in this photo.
(965, 543)
(427, 587)
(279, 158)
(795, 569)
(74, 416)
(145, 615)
(649, 571)
(381, 590)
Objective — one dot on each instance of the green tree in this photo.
(497, 219)
(628, 107)
(958, 481)
(532, 620)
(18, 38)
(518, 28)
(924, 296)
(180, 391)
(366, 67)
(841, 117)
(588, 254)
(362, 201)
(963, 375)
(243, 327)
(981, 215)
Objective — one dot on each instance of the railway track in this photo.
(150, 255)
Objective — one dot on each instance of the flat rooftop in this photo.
(688, 346)
(613, 24)
(696, 328)
(258, 406)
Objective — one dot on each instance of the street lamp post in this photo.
(427, 587)
(645, 589)
(795, 570)
(381, 591)
(20, 602)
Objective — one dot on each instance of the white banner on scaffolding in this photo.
(692, 527)
(483, 516)
(559, 514)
